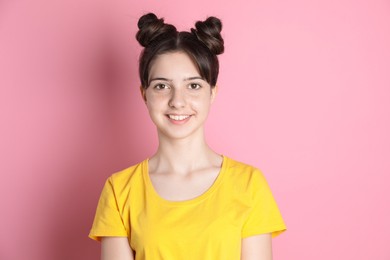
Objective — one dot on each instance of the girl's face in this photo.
(177, 98)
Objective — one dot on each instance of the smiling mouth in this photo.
(178, 117)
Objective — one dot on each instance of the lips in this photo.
(178, 117)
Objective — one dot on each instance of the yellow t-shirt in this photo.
(239, 204)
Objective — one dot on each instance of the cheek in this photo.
(201, 104)
(155, 102)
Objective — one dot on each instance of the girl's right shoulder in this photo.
(127, 175)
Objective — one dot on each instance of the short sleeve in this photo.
(264, 216)
(108, 220)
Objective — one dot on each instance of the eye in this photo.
(194, 86)
(160, 86)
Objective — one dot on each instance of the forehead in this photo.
(173, 65)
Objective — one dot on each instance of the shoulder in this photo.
(127, 176)
(244, 173)
(237, 167)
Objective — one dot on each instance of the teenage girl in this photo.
(186, 201)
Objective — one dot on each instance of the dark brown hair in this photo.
(202, 45)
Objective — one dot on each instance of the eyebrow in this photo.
(170, 80)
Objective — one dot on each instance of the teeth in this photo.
(178, 118)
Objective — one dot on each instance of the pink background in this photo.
(304, 95)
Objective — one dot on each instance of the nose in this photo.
(177, 99)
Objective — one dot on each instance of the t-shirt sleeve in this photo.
(108, 220)
(264, 216)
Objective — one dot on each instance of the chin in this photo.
(181, 134)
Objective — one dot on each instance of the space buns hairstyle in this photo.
(202, 44)
(151, 29)
(209, 32)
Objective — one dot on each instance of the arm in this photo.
(116, 248)
(257, 247)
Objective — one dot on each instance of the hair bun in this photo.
(152, 28)
(209, 32)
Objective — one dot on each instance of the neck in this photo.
(183, 155)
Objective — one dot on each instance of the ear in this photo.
(143, 93)
(214, 91)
